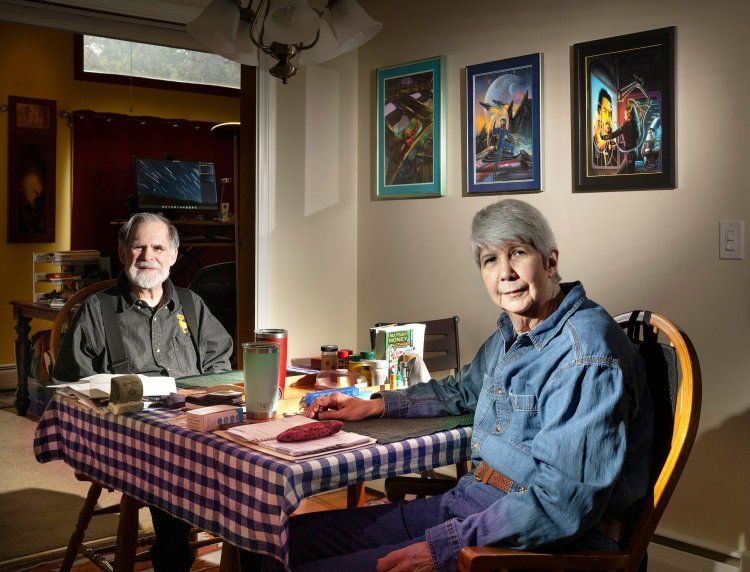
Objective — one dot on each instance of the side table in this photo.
(23, 313)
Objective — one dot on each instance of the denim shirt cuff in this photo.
(444, 546)
(394, 405)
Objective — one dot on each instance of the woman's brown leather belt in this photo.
(490, 476)
(610, 527)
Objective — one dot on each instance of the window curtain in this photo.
(104, 145)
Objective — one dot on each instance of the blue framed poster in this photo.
(503, 126)
(410, 142)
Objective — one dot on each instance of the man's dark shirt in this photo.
(156, 340)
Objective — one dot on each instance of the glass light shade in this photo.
(325, 49)
(244, 52)
(290, 22)
(216, 26)
(352, 25)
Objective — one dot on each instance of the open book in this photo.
(262, 437)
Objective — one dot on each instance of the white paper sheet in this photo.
(98, 386)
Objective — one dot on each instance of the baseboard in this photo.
(668, 554)
(8, 376)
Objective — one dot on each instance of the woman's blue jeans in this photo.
(351, 539)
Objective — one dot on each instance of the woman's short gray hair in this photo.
(511, 220)
(138, 218)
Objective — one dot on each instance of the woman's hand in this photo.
(412, 558)
(345, 407)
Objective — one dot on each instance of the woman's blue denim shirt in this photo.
(563, 411)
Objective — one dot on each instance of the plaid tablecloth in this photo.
(222, 487)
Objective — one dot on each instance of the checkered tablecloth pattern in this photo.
(222, 487)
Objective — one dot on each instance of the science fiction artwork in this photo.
(623, 116)
(503, 148)
(409, 131)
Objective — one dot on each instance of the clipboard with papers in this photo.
(262, 438)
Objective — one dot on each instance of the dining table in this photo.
(228, 489)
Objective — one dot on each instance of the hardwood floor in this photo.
(333, 500)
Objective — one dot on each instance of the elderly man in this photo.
(561, 442)
(145, 324)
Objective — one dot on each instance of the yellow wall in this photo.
(38, 63)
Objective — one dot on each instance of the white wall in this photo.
(638, 249)
(342, 261)
(314, 218)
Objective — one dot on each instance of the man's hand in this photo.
(344, 407)
(412, 558)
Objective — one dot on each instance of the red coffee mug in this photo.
(276, 336)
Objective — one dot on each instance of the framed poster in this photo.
(503, 126)
(623, 112)
(410, 130)
(32, 139)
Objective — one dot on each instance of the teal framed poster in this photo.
(410, 145)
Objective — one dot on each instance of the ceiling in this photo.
(154, 21)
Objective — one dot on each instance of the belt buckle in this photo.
(486, 471)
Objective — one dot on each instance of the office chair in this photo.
(216, 284)
(128, 541)
(675, 382)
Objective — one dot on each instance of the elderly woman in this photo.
(562, 426)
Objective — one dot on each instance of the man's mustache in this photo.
(149, 265)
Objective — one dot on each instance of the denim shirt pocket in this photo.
(525, 420)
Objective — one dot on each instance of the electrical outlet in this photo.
(731, 239)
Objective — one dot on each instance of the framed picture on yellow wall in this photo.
(410, 145)
(32, 139)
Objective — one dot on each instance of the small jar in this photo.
(379, 372)
(329, 358)
(366, 359)
(354, 365)
(343, 356)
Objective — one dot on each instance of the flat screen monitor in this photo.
(170, 185)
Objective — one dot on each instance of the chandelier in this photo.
(283, 29)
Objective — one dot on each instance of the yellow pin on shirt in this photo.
(183, 323)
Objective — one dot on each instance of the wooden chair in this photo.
(675, 382)
(125, 551)
(441, 349)
(67, 311)
(441, 353)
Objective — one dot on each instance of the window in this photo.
(120, 61)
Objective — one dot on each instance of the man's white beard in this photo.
(146, 280)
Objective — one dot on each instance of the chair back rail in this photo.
(441, 347)
(66, 312)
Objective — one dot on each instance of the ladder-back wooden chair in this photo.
(125, 553)
(441, 354)
(675, 382)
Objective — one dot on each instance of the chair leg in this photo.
(230, 558)
(355, 495)
(127, 534)
(84, 517)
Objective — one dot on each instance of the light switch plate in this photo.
(731, 239)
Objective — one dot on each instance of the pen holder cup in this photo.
(261, 373)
